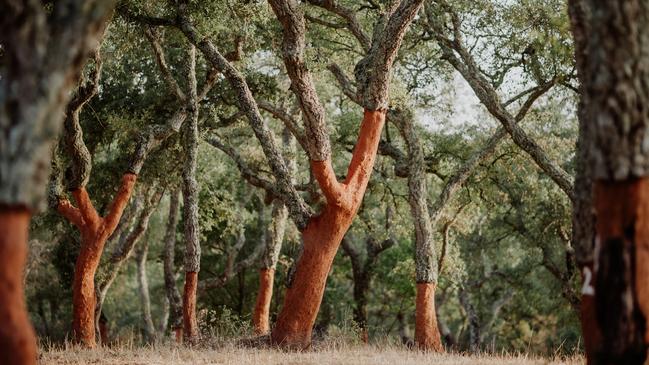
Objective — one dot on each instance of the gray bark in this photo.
(616, 90)
(302, 85)
(35, 84)
(425, 256)
(79, 170)
(374, 71)
(173, 295)
(583, 218)
(279, 214)
(143, 286)
(190, 186)
(350, 20)
(300, 212)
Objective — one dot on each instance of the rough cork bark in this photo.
(190, 207)
(37, 78)
(612, 43)
(583, 218)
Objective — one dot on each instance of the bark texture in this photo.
(190, 323)
(36, 84)
(612, 44)
(190, 206)
(17, 340)
(36, 81)
(323, 233)
(173, 295)
(583, 217)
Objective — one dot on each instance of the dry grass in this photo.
(324, 355)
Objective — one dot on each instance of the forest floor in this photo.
(332, 355)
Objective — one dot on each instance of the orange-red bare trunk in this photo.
(589, 328)
(323, 235)
(95, 230)
(620, 282)
(190, 323)
(427, 334)
(260, 318)
(17, 340)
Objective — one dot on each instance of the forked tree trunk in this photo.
(95, 230)
(324, 233)
(17, 341)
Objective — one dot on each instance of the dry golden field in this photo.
(329, 355)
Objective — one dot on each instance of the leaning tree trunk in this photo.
(324, 233)
(615, 36)
(145, 299)
(173, 296)
(190, 209)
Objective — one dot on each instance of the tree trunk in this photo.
(622, 270)
(145, 298)
(612, 40)
(175, 301)
(261, 315)
(323, 234)
(274, 239)
(95, 230)
(190, 323)
(17, 340)
(190, 207)
(427, 336)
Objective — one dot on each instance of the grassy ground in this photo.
(326, 355)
